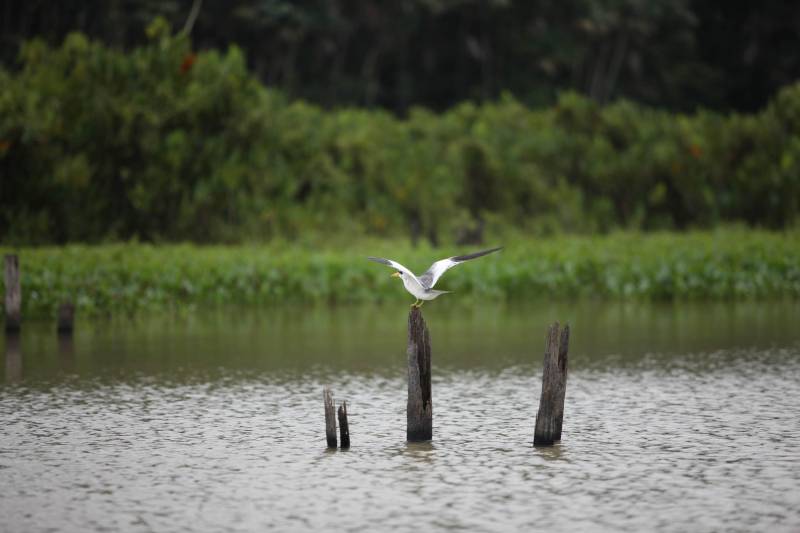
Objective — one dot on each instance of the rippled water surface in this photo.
(678, 418)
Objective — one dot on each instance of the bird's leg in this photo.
(416, 304)
(420, 303)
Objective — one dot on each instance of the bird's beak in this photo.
(396, 274)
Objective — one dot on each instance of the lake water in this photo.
(681, 417)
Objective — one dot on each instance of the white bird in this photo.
(421, 287)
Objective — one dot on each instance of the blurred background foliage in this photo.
(164, 135)
(675, 54)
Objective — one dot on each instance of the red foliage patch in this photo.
(188, 62)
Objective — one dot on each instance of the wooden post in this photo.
(554, 381)
(563, 357)
(330, 417)
(66, 318)
(13, 300)
(420, 408)
(344, 428)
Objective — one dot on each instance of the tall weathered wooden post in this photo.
(420, 407)
(13, 296)
(563, 357)
(550, 417)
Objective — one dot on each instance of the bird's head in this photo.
(397, 274)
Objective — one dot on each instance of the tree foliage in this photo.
(677, 54)
(166, 143)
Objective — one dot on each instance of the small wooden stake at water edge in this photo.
(66, 318)
(420, 407)
(13, 296)
(344, 428)
(550, 417)
(330, 417)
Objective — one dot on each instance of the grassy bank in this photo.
(123, 278)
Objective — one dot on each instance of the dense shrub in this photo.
(159, 143)
(164, 143)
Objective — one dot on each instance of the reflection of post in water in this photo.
(64, 327)
(66, 352)
(13, 358)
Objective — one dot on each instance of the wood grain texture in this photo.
(420, 406)
(330, 417)
(344, 426)
(550, 416)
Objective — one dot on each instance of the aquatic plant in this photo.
(117, 278)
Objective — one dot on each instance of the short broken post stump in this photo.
(344, 427)
(330, 417)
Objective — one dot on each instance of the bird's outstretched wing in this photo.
(432, 275)
(397, 266)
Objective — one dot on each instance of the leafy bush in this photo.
(157, 143)
(167, 144)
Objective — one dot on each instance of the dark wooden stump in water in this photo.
(344, 428)
(330, 417)
(66, 318)
(420, 408)
(13, 296)
(554, 384)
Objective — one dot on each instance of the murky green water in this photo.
(678, 417)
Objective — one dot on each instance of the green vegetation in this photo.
(676, 54)
(727, 264)
(165, 144)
